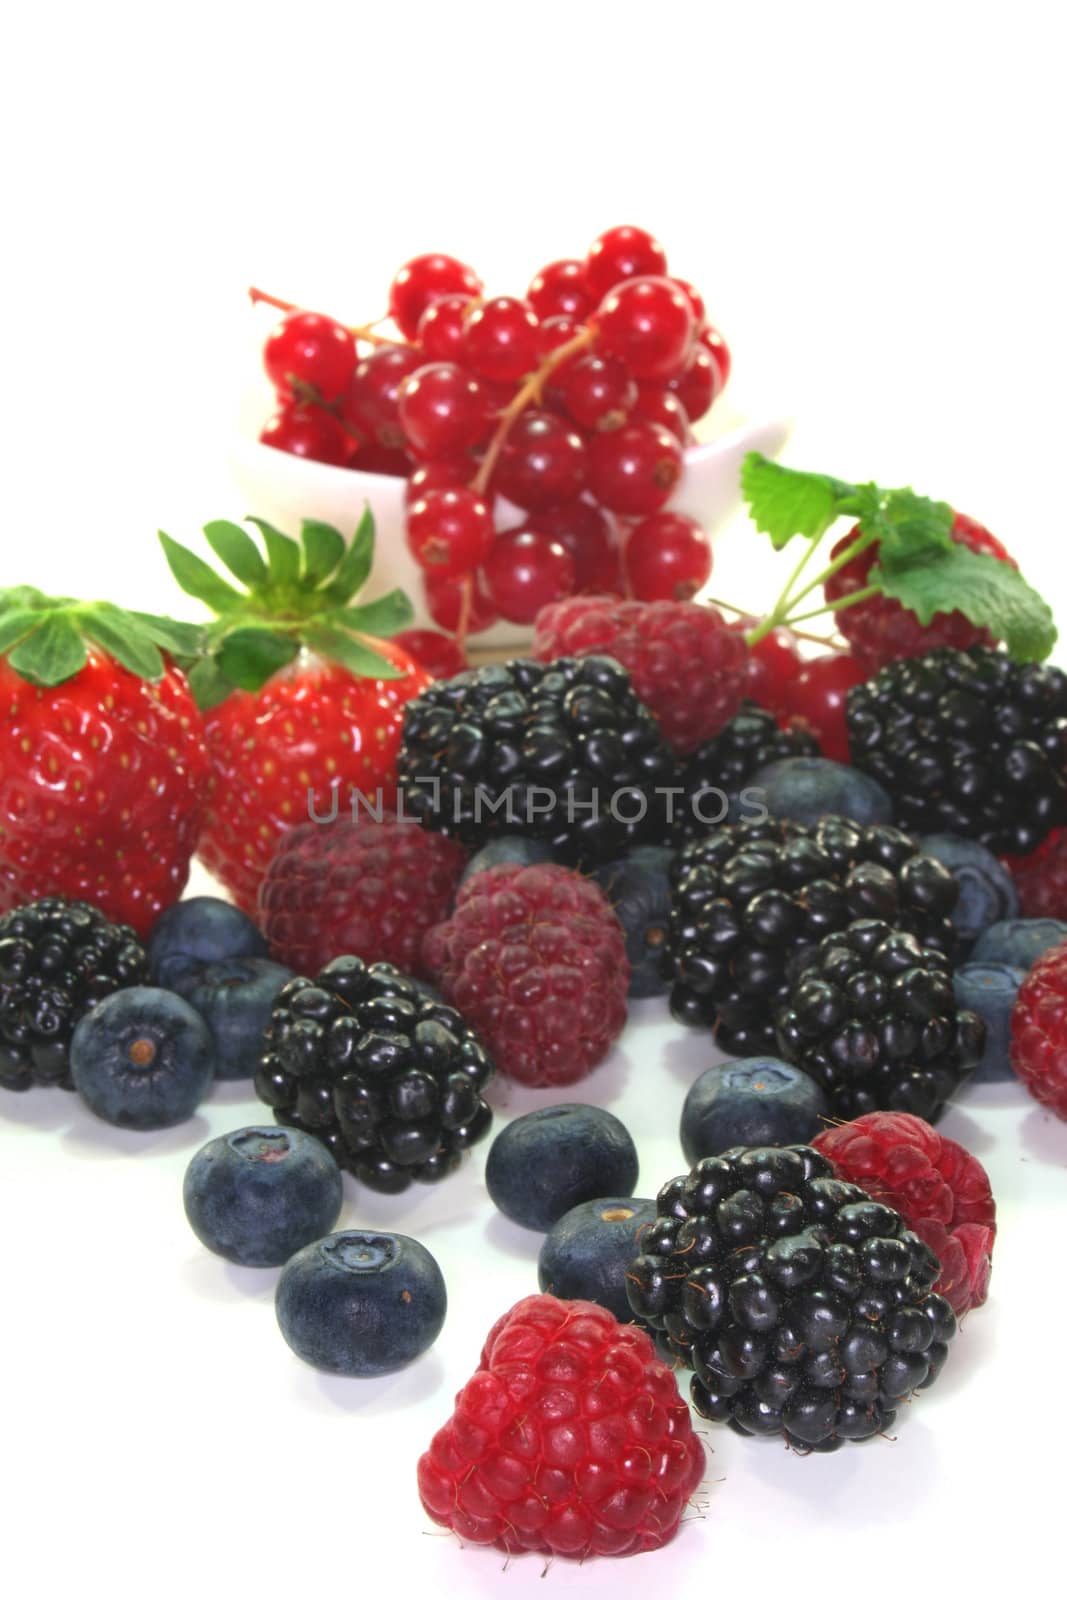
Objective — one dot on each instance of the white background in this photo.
(871, 200)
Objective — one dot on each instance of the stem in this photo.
(466, 600)
(812, 546)
(843, 604)
(363, 330)
(260, 297)
(530, 390)
(855, 548)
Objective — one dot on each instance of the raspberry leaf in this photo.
(908, 525)
(52, 653)
(237, 551)
(196, 578)
(990, 593)
(355, 654)
(323, 548)
(784, 503)
(248, 656)
(383, 617)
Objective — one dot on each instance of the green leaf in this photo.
(237, 550)
(283, 554)
(323, 549)
(195, 577)
(909, 526)
(381, 617)
(784, 502)
(123, 637)
(209, 686)
(21, 597)
(990, 593)
(51, 654)
(179, 639)
(355, 564)
(249, 655)
(357, 655)
(15, 624)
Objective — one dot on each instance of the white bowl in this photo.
(284, 488)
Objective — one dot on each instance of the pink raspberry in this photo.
(687, 663)
(365, 888)
(1041, 878)
(1039, 1030)
(535, 960)
(939, 1188)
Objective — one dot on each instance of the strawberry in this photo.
(102, 757)
(302, 706)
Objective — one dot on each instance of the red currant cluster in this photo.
(573, 404)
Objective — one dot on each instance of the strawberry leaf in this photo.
(354, 566)
(990, 593)
(195, 577)
(355, 654)
(382, 617)
(52, 653)
(237, 550)
(283, 554)
(124, 638)
(323, 549)
(249, 655)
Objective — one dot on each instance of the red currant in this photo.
(525, 571)
(450, 531)
(543, 462)
(696, 302)
(500, 340)
(445, 600)
(771, 666)
(634, 469)
(622, 253)
(818, 696)
(443, 411)
(447, 472)
(560, 289)
(597, 392)
(554, 332)
(436, 653)
(440, 335)
(700, 385)
(587, 534)
(657, 403)
(371, 403)
(667, 557)
(386, 463)
(647, 321)
(308, 431)
(313, 351)
(719, 350)
(423, 280)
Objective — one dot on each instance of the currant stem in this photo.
(466, 600)
(363, 330)
(529, 391)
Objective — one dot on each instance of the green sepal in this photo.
(209, 686)
(15, 624)
(283, 555)
(382, 617)
(126, 639)
(248, 656)
(356, 654)
(52, 653)
(182, 640)
(237, 551)
(323, 548)
(196, 578)
(354, 567)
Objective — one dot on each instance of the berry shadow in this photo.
(956, 1124)
(973, 1350)
(603, 1087)
(96, 1139)
(46, 1110)
(236, 1092)
(322, 1391)
(902, 1467)
(521, 1244)
(1045, 1135)
(209, 1277)
(689, 1053)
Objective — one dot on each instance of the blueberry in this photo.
(361, 1304)
(142, 1058)
(258, 1195)
(510, 849)
(195, 932)
(544, 1163)
(987, 890)
(758, 1101)
(805, 788)
(587, 1252)
(990, 988)
(1019, 943)
(234, 997)
(639, 889)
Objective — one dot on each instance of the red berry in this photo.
(696, 302)
(559, 290)
(440, 336)
(371, 403)
(587, 534)
(308, 349)
(667, 557)
(700, 385)
(555, 332)
(436, 653)
(450, 531)
(1039, 1030)
(423, 280)
(443, 411)
(647, 322)
(526, 570)
(773, 664)
(597, 392)
(446, 602)
(447, 472)
(1041, 878)
(634, 469)
(500, 340)
(543, 462)
(657, 403)
(719, 350)
(622, 253)
(308, 431)
(376, 458)
(817, 699)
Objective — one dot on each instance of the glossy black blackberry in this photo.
(723, 766)
(750, 899)
(967, 742)
(389, 1078)
(58, 958)
(562, 751)
(872, 1017)
(803, 1307)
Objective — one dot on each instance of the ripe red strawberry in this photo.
(571, 1439)
(102, 758)
(304, 707)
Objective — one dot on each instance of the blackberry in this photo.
(803, 1307)
(58, 958)
(388, 1078)
(725, 764)
(872, 1017)
(749, 900)
(562, 751)
(967, 742)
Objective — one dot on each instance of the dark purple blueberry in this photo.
(546, 1162)
(258, 1195)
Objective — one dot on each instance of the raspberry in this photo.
(881, 630)
(939, 1188)
(1039, 1030)
(652, 641)
(1041, 878)
(570, 1439)
(535, 960)
(369, 889)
